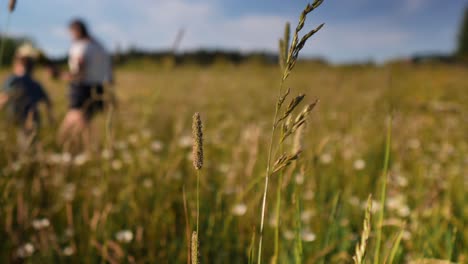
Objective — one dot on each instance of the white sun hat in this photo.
(27, 50)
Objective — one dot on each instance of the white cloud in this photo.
(154, 24)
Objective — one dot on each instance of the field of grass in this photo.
(133, 199)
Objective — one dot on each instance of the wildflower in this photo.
(157, 146)
(299, 178)
(326, 158)
(393, 202)
(25, 250)
(401, 181)
(288, 235)
(121, 145)
(414, 144)
(239, 209)
(404, 211)
(273, 221)
(354, 201)
(133, 139)
(116, 164)
(398, 204)
(307, 215)
(66, 158)
(124, 236)
(224, 167)
(185, 142)
(80, 159)
(406, 235)
(96, 192)
(68, 192)
(148, 183)
(69, 232)
(68, 251)
(106, 154)
(359, 164)
(40, 224)
(308, 236)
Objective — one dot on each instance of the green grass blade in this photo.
(383, 194)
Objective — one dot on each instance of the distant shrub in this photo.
(462, 50)
(9, 48)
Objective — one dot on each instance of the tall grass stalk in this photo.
(267, 175)
(4, 38)
(289, 53)
(187, 225)
(298, 254)
(251, 250)
(396, 245)
(198, 200)
(197, 156)
(278, 199)
(332, 223)
(11, 9)
(12, 5)
(277, 220)
(383, 194)
(360, 251)
(194, 248)
(451, 246)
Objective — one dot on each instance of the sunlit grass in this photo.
(124, 203)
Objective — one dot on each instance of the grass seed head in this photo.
(12, 6)
(194, 248)
(360, 251)
(298, 143)
(197, 134)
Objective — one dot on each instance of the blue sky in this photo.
(355, 29)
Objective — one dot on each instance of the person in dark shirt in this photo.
(21, 96)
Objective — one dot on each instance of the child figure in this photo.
(21, 96)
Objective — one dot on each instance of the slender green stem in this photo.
(198, 200)
(452, 243)
(332, 224)
(384, 192)
(109, 126)
(298, 240)
(278, 208)
(396, 245)
(4, 39)
(267, 174)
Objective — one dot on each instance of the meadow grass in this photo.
(288, 55)
(124, 203)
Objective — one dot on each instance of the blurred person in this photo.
(21, 96)
(90, 71)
